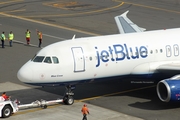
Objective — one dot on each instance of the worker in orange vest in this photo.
(39, 37)
(84, 111)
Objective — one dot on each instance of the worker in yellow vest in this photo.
(39, 37)
(28, 35)
(3, 38)
(11, 37)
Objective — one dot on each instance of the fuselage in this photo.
(91, 58)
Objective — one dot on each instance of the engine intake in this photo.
(169, 89)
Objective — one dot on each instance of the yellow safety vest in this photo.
(3, 37)
(11, 36)
(28, 34)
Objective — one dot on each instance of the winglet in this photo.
(125, 14)
(125, 25)
(73, 37)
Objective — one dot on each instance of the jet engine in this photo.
(169, 89)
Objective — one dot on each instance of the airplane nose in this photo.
(25, 74)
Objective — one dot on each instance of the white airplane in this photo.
(88, 59)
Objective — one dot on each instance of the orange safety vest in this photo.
(85, 110)
(5, 96)
(40, 35)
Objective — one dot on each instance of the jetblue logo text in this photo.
(121, 52)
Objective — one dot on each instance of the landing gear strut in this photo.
(68, 99)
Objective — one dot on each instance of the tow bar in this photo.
(42, 103)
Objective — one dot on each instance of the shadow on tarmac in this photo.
(117, 88)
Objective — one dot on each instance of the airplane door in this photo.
(79, 62)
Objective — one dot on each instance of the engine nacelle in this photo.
(169, 89)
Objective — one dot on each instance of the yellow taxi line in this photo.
(74, 14)
(58, 26)
(34, 109)
(91, 98)
(82, 100)
(60, 4)
(150, 7)
(15, 11)
(48, 24)
(10, 1)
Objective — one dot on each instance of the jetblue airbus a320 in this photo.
(133, 52)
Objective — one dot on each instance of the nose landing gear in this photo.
(68, 97)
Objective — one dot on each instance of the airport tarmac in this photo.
(60, 20)
(56, 111)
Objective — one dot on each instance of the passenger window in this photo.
(38, 59)
(156, 51)
(161, 50)
(151, 52)
(47, 60)
(55, 60)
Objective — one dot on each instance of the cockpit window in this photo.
(48, 60)
(55, 60)
(38, 59)
(33, 57)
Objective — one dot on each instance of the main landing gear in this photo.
(68, 96)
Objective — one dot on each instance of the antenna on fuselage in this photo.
(73, 37)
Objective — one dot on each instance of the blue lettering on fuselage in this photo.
(121, 52)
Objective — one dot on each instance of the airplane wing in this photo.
(125, 25)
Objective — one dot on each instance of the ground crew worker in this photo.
(39, 37)
(11, 37)
(5, 96)
(3, 38)
(2, 98)
(84, 111)
(28, 35)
